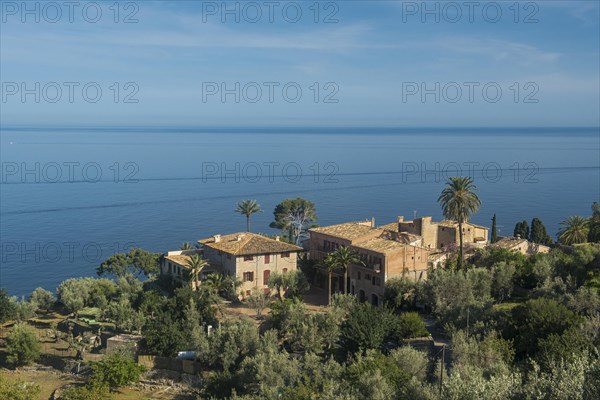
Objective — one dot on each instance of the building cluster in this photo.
(399, 249)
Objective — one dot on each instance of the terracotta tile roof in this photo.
(381, 245)
(179, 259)
(248, 244)
(508, 242)
(347, 230)
(408, 238)
(393, 226)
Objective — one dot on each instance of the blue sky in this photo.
(372, 55)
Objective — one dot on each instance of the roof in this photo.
(392, 226)
(347, 230)
(381, 245)
(408, 238)
(508, 242)
(478, 226)
(180, 259)
(246, 243)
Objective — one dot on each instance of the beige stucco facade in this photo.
(249, 257)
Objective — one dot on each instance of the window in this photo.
(248, 258)
(368, 277)
(267, 258)
(248, 276)
(285, 270)
(376, 281)
(266, 274)
(285, 255)
(358, 275)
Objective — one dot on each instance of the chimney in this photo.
(217, 238)
(518, 236)
(400, 219)
(239, 237)
(277, 238)
(372, 222)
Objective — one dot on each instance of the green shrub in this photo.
(115, 370)
(410, 325)
(22, 345)
(18, 390)
(87, 392)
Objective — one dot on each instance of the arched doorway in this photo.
(374, 299)
(361, 296)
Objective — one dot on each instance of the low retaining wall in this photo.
(171, 364)
(423, 343)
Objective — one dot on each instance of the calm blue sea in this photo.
(71, 197)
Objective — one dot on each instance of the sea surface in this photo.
(70, 197)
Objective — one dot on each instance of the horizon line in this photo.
(271, 127)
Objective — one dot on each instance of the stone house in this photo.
(247, 256)
(250, 257)
(384, 255)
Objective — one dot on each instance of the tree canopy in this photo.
(294, 216)
(136, 261)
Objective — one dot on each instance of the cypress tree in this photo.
(494, 230)
(538, 232)
(522, 229)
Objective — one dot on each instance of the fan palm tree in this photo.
(459, 201)
(574, 230)
(215, 283)
(342, 257)
(196, 264)
(247, 208)
(329, 265)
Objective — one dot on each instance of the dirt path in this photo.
(439, 341)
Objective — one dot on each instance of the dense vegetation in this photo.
(514, 327)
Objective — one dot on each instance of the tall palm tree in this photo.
(342, 257)
(196, 264)
(329, 265)
(459, 201)
(574, 230)
(247, 208)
